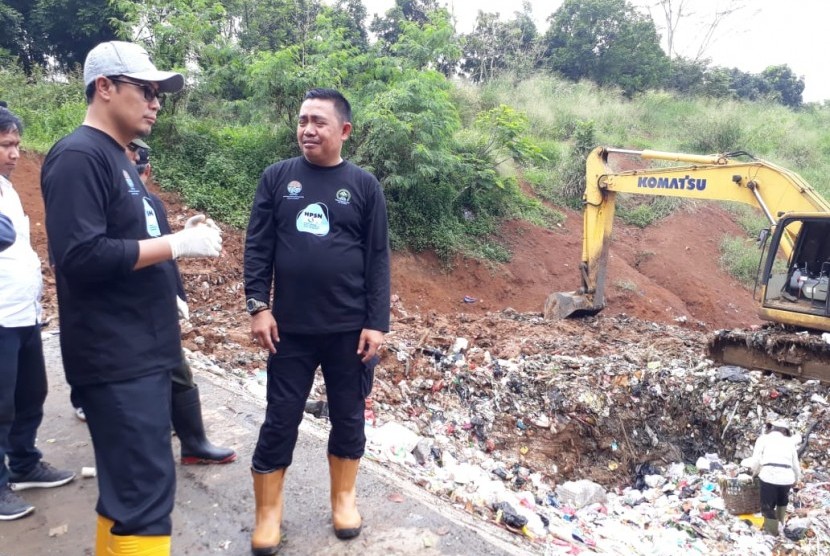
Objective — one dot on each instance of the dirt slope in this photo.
(658, 274)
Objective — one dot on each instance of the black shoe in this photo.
(12, 506)
(42, 476)
(318, 408)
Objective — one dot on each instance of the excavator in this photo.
(793, 272)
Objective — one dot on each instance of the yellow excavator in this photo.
(794, 270)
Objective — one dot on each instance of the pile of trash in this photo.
(605, 434)
(590, 435)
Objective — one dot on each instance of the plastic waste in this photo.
(505, 513)
(581, 493)
(641, 471)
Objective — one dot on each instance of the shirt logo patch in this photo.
(314, 219)
(294, 189)
(343, 196)
(153, 229)
(130, 184)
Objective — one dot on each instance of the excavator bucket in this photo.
(561, 305)
(802, 355)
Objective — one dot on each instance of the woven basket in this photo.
(741, 497)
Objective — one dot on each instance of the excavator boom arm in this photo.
(772, 189)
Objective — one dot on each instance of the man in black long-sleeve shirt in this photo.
(119, 328)
(318, 233)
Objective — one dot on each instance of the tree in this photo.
(274, 24)
(73, 27)
(495, 47)
(16, 36)
(784, 85)
(672, 13)
(390, 27)
(174, 31)
(428, 45)
(748, 86)
(685, 76)
(483, 54)
(62, 31)
(350, 15)
(606, 41)
(676, 11)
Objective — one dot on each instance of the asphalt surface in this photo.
(214, 504)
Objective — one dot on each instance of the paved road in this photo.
(214, 504)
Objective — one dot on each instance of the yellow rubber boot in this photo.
(268, 487)
(102, 535)
(133, 545)
(344, 515)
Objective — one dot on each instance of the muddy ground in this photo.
(214, 504)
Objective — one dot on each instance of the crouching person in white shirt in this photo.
(777, 456)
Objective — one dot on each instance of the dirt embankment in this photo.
(663, 273)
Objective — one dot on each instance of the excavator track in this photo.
(805, 355)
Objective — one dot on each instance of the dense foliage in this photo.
(449, 123)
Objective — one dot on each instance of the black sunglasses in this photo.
(150, 94)
(132, 146)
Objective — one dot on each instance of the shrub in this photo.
(740, 257)
(49, 109)
(645, 211)
(715, 134)
(216, 168)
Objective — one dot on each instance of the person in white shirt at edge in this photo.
(22, 370)
(777, 457)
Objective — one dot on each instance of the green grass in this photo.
(626, 285)
(739, 257)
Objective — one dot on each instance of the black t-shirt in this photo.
(320, 235)
(116, 323)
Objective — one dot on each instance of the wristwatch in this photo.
(255, 306)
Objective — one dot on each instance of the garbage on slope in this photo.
(605, 434)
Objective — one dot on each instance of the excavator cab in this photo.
(793, 281)
(794, 287)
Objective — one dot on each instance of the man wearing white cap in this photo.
(777, 456)
(119, 326)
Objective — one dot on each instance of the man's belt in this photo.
(782, 465)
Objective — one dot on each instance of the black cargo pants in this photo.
(290, 378)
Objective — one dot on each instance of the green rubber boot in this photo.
(771, 526)
(781, 514)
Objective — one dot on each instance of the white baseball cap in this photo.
(130, 60)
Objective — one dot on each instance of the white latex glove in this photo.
(194, 221)
(184, 310)
(200, 219)
(199, 241)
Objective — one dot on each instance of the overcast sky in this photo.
(759, 34)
